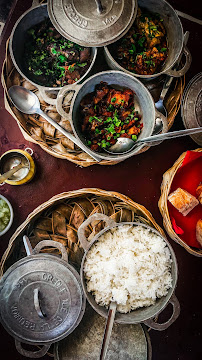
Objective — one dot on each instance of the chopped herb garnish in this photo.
(113, 99)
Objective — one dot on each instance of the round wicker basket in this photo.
(59, 218)
(163, 206)
(36, 130)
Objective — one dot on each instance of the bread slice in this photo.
(183, 201)
(199, 231)
(199, 192)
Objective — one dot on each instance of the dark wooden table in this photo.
(139, 178)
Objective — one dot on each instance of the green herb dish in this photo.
(6, 215)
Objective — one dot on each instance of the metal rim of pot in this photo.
(57, 302)
(17, 38)
(135, 316)
(169, 14)
(143, 102)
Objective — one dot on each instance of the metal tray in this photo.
(128, 342)
(191, 110)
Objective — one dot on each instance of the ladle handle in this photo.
(68, 135)
(9, 173)
(108, 330)
(171, 135)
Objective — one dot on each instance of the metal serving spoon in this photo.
(27, 102)
(124, 145)
(108, 330)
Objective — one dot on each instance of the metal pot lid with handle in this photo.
(92, 22)
(41, 298)
(191, 109)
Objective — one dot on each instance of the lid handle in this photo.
(100, 8)
(37, 304)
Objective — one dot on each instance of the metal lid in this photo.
(191, 109)
(128, 341)
(93, 22)
(41, 299)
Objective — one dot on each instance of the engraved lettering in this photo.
(57, 320)
(56, 282)
(64, 306)
(74, 17)
(21, 320)
(110, 20)
(62, 290)
(22, 282)
(45, 327)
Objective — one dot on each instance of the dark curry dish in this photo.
(51, 60)
(108, 114)
(143, 50)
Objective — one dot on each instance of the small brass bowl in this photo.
(12, 158)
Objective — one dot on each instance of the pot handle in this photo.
(31, 354)
(45, 95)
(81, 230)
(44, 243)
(185, 68)
(176, 312)
(62, 93)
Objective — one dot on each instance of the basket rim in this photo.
(69, 195)
(168, 177)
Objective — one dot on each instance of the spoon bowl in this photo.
(124, 145)
(27, 102)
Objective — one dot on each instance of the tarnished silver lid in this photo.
(92, 22)
(41, 300)
(191, 109)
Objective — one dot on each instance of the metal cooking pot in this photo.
(144, 103)
(145, 314)
(175, 42)
(41, 298)
(16, 46)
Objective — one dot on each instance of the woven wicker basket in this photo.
(53, 142)
(59, 218)
(163, 206)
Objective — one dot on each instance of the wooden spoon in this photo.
(9, 173)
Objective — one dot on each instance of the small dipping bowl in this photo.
(11, 215)
(14, 157)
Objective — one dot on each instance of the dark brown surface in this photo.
(139, 178)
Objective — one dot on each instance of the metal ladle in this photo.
(27, 102)
(123, 145)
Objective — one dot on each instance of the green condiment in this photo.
(4, 214)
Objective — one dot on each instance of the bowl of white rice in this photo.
(133, 265)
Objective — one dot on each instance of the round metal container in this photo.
(191, 109)
(144, 103)
(11, 215)
(91, 23)
(144, 314)
(126, 342)
(174, 37)
(41, 299)
(12, 158)
(31, 18)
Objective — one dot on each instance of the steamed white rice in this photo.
(130, 265)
